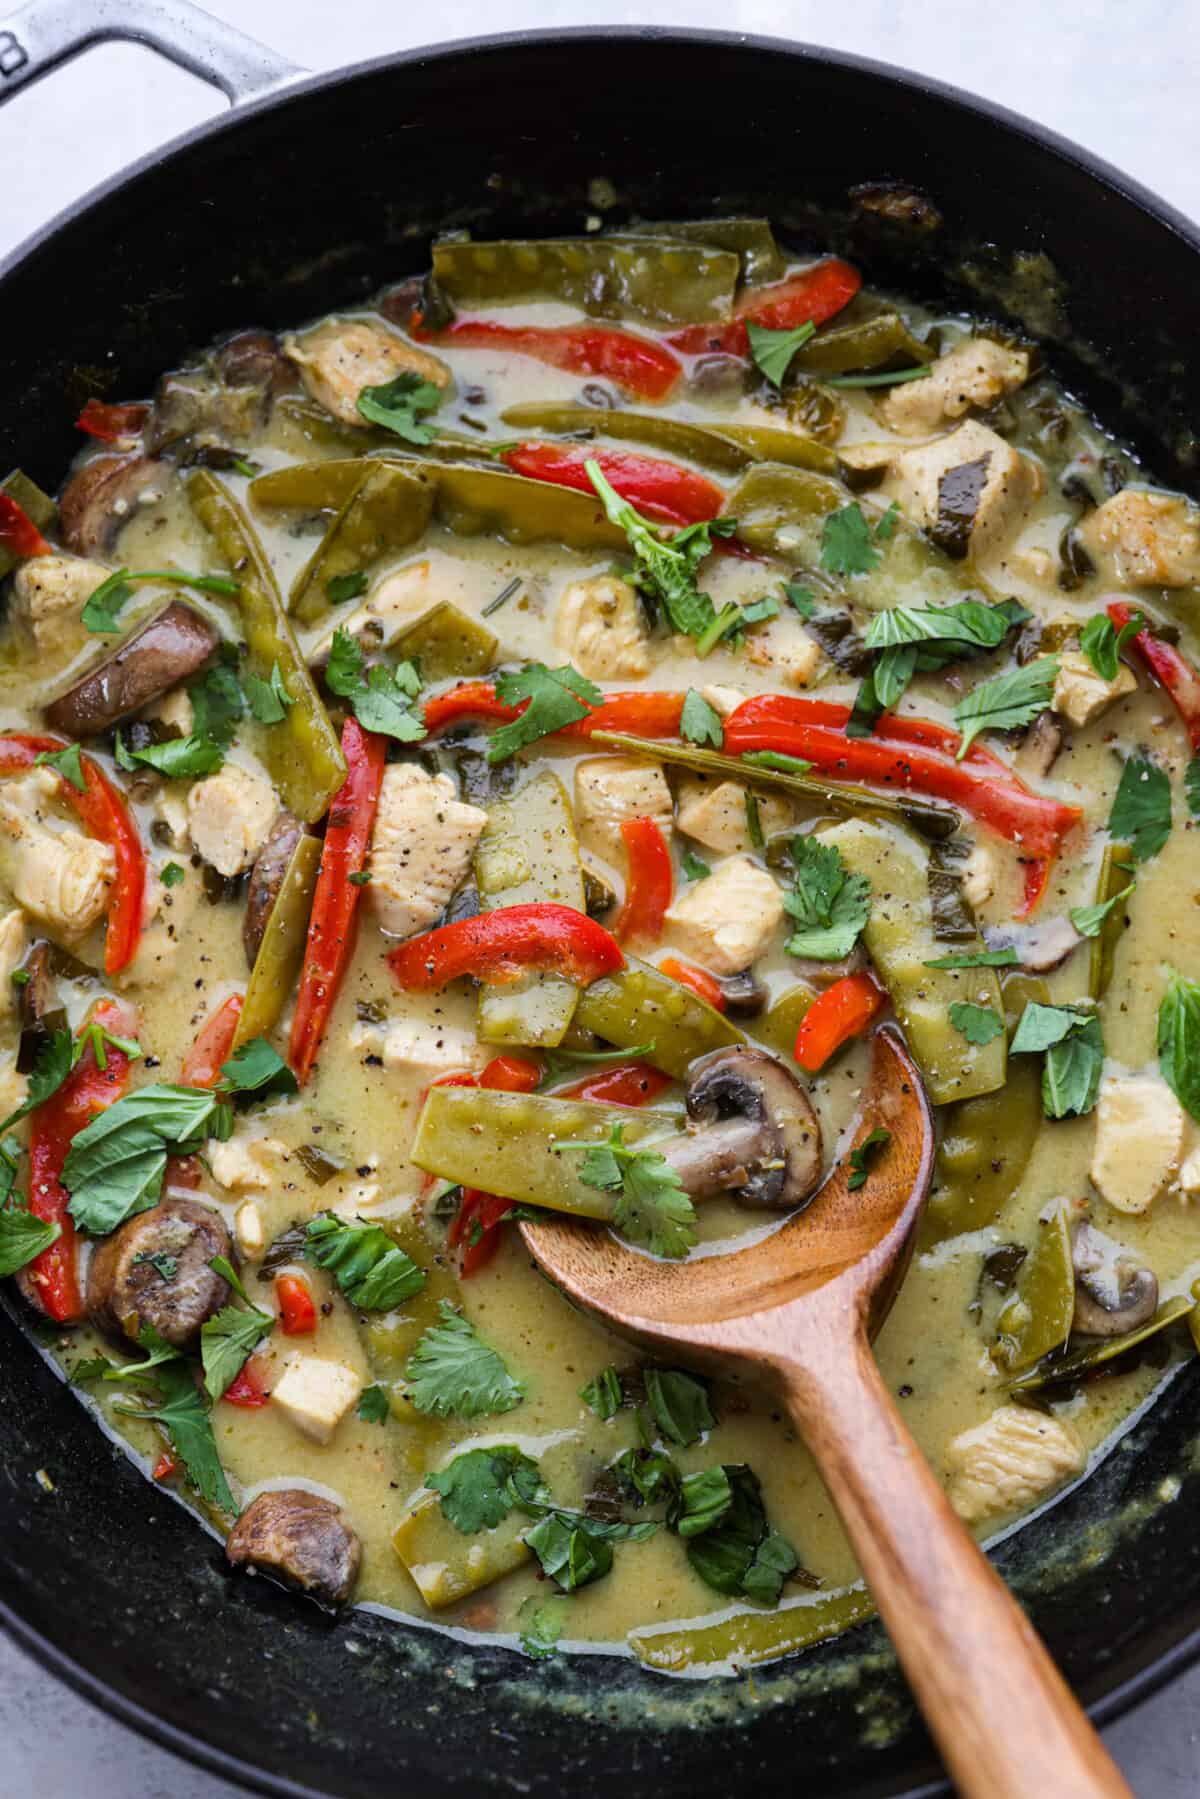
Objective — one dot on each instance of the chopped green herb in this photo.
(802, 598)
(166, 1267)
(115, 1164)
(170, 874)
(374, 1273)
(864, 1154)
(1073, 1043)
(479, 1488)
(179, 758)
(502, 598)
(704, 1501)
(400, 404)
(680, 1405)
(217, 705)
(694, 867)
(1006, 701)
(22, 1236)
(228, 1340)
(978, 1024)
(556, 696)
(742, 1556)
(102, 605)
(650, 1206)
(758, 611)
(1102, 643)
(1141, 810)
(65, 762)
(978, 958)
(882, 378)
(341, 588)
(666, 569)
(772, 351)
(362, 878)
(268, 700)
(1088, 920)
(603, 1394)
(829, 904)
(542, 1624)
(452, 1371)
(183, 1414)
(373, 1406)
(850, 544)
(54, 1062)
(1179, 1041)
(699, 722)
(381, 699)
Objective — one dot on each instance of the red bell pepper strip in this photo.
(620, 1084)
(166, 1466)
(638, 364)
(213, 1045)
(18, 532)
(104, 814)
(53, 1276)
(333, 922)
(662, 490)
(843, 1011)
(1171, 669)
(649, 883)
(705, 985)
(503, 945)
(510, 1074)
(815, 294)
(246, 1389)
(110, 423)
(981, 784)
(297, 1313)
(642, 714)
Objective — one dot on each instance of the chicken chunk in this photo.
(59, 875)
(421, 848)
(1081, 695)
(1003, 1465)
(229, 816)
(610, 789)
(407, 1047)
(1146, 539)
(974, 374)
(728, 920)
(979, 876)
(342, 356)
(600, 626)
(315, 1396)
(714, 813)
(14, 939)
(785, 648)
(48, 596)
(723, 700)
(1009, 483)
(1139, 1140)
(246, 1164)
(249, 1231)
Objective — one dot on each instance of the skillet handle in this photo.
(44, 33)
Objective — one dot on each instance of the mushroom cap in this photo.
(753, 1135)
(1114, 1292)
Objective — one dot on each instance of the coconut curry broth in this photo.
(992, 1296)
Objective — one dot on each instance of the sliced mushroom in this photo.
(745, 995)
(97, 500)
(157, 1270)
(170, 647)
(255, 359)
(266, 878)
(824, 974)
(753, 1132)
(1114, 1292)
(1040, 747)
(300, 1539)
(1040, 947)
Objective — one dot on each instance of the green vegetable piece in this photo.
(882, 342)
(446, 1565)
(302, 753)
(752, 239)
(453, 1372)
(654, 279)
(1141, 810)
(745, 1638)
(900, 941)
(694, 867)
(446, 644)
(281, 951)
(1105, 922)
(1078, 1363)
(1036, 1319)
(388, 509)
(638, 1005)
(985, 1149)
(680, 1405)
(371, 1270)
(778, 1028)
(34, 503)
(1179, 1041)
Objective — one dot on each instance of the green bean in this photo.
(731, 447)
(1117, 871)
(1087, 1357)
(301, 752)
(638, 1005)
(388, 509)
(33, 502)
(281, 951)
(747, 1637)
(752, 239)
(654, 279)
(1036, 1320)
(874, 344)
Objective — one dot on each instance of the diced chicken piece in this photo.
(246, 1164)
(408, 1047)
(723, 700)
(1009, 481)
(14, 939)
(979, 876)
(1081, 695)
(600, 626)
(1003, 1465)
(785, 648)
(421, 848)
(610, 789)
(1139, 1140)
(229, 817)
(249, 1230)
(1146, 539)
(728, 920)
(315, 1396)
(48, 595)
(174, 710)
(61, 876)
(394, 602)
(973, 375)
(358, 1198)
(342, 356)
(714, 813)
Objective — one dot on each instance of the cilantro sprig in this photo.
(850, 543)
(382, 697)
(830, 905)
(650, 1206)
(400, 405)
(666, 567)
(556, 697)
(453, 1372)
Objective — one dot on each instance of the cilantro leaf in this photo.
(227, 1341)
(1102, 644)
(476, 1488)
(1006, 701)
(373, 1406)
(374, 1273)
(341, 588)
(1088, 920)
(978, 1024)
(680, 1405)
(802, 598)
(179, 758)
(398, 405)
(343, 671)
(65, 762)
(453, 1371)
(166, 1267)
(699, 722)
(115, 1164)
(1179, 1041)
(102, 605)
(23, 1236)
(772, 351)
(183, 1414)
(556, 696)
(978, 958)
(170, 874)
(217, 705)
(694, 866)
(830, 905)
(862, 1156)
(850, 543)
(256, 1068)
(383, 704)
(268, 700)
(650, 1205)
(666, 568)
(1141, 810)
(704, 1501)
(603, 1395)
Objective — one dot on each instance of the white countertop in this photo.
(1119, 80)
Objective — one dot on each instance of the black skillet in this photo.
(307, 199)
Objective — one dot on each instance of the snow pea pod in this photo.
(277, 964)
(746, 1637)
(1036, 1320)
(1117, 871)
(446, 1564)
(871, 345)
(778, 1028)
(301, 751)
(1087, 1357)
(446, 644)
(985, 1149)
(638, 1006)
(752, 239)
(730, 447)
(653, 279)
(388, 509)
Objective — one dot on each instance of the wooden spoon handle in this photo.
(1004, 1719)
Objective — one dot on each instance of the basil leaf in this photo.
(115, 1164)
(1179, 1041)
(1141, 810)
(256, 1068)
(65, 762)
(23, 1237)
(1007, 701)
(680, 1405)
(772, 351)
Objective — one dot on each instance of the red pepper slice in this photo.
(213, 1045)
(843, 1011)
(104, 814)
(1171, 669)
(705, 985)
(477, 1225)
(815, 294)
(510, 1074)
(110, 423)
(642, 714)
(649, 883)
(621, 1084)
(662, 490)
(166, 1466)
(503, 945)
(332, 925)
(53, 1276)
(638, 364)
(297, 1313)
(981, 784)
(246, 1389)
(18, 532)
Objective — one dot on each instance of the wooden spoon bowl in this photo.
(795, 1308)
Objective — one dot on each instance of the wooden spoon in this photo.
(795, 1308)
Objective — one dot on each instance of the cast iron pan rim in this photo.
(1145, 1680)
